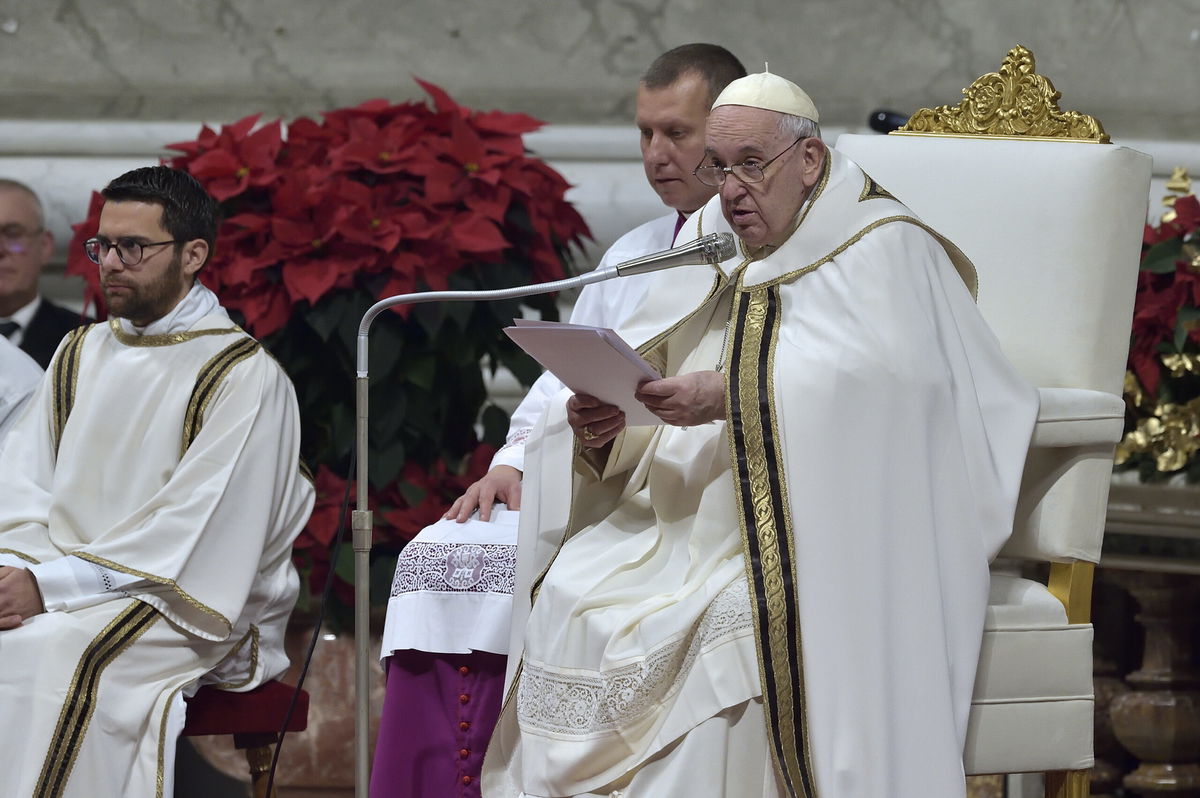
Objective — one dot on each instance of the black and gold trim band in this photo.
(66, 377)
(767, 535)
(207, 382)
(81, 697)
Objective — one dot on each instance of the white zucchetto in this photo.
(769, 92)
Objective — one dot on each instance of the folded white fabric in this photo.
(452, 592)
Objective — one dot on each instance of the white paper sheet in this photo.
(589, 360)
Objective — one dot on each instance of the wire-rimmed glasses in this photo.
(746, 171)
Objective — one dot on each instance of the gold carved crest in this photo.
(1014, 102)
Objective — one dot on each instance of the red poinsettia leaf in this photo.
(441, 100)
(247, 221)
(206, 139)
(309, 278)
(266, 310)
(1145, 367)
(509, 124)
(475, 233)
(240, 269)
(214, 163)
(465, 146)
(491, 203)
(294, 232)
(1187, 213)
(78, 262)
(240, 128)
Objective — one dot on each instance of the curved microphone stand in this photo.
(711, 249)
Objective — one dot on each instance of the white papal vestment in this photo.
(818, 563)
(156, 477)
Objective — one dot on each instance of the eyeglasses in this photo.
(746, 171)
(130, 251)
(14, 237)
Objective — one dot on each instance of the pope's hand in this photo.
(686, 400)
(19, 598)
(502, 483)
(595, 423)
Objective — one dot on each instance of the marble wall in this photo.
(1132, 64)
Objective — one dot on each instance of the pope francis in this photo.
(780, 590)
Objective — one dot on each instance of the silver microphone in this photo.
(712, 249)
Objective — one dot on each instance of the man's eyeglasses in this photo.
(746, 171)
(130, 251)
(16, 238)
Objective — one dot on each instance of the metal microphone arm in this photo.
(712, 248)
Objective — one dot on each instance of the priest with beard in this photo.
(148, 502)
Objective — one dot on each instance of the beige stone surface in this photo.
(1133, 65)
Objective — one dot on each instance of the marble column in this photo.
(1158, 721)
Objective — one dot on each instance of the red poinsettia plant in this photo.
(1162, 386)
(324, 218)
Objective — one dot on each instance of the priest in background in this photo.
(447, 626)
(27, 318)
(149, 498)
(780, 590)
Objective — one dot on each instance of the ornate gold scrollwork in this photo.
(1014, 102)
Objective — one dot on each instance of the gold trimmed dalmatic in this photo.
(171, 460)
(822, 553)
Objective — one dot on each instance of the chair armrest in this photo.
(1078, 417)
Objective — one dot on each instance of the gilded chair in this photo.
(1051, 215)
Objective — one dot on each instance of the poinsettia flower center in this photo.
(385, 156)
(240, 173)
(470, 167)
(316, 243)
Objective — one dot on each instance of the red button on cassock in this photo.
(464, 725)
(464, 670)
(463, 753)
(466, 779)
(464, 698)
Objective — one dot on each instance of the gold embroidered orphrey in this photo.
(768, 540)
(1015, 102)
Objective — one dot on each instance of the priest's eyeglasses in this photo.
(130, 251)
(746, 171)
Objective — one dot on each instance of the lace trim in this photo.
(577, 705)
(517, 438)
(455, 567)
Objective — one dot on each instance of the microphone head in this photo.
(718, 247)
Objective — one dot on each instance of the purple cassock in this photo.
(445, 643)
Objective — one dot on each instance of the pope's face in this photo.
(148, 290)
(761, 213)
(671, 122)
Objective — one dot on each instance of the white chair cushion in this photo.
(1033, 702)
(1030, 737)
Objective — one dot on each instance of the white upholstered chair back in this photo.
(1054, 230)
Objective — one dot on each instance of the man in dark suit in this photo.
(26, 318)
